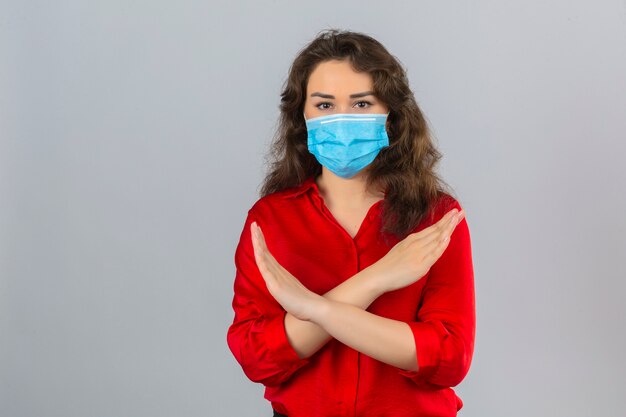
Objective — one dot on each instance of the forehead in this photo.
(338, 78)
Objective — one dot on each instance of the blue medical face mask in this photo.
(345, 143)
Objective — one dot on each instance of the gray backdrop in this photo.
(133, 136)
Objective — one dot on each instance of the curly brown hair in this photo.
(405, 169)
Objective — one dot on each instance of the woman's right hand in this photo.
(411, 258)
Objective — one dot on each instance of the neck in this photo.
(350, 192)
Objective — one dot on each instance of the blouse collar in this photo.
(300, 189)
(306, 185)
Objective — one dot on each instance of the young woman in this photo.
(354, 286)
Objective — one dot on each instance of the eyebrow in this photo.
(355, 95)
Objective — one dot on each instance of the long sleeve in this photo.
(444, 331)
(257, 335)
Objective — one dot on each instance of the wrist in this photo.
(322, 311)
(373, 281)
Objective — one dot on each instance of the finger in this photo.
(261, 237)
(258, 239)
(254, 238)
(438, 226)
(444, 240)
(432, 242)
(259, 254)
(448, 227)
(431, 248)
(438, 230)
(445, 223)
(434, 249)
(438, 250)
(271, 265)
(451, 225)
(269, 258)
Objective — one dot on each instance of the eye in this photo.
(322, 103)
(358, 104)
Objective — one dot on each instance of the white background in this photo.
(132, 137)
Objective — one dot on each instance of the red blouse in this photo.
(304, 237)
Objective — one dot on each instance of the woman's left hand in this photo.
(295, 298)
